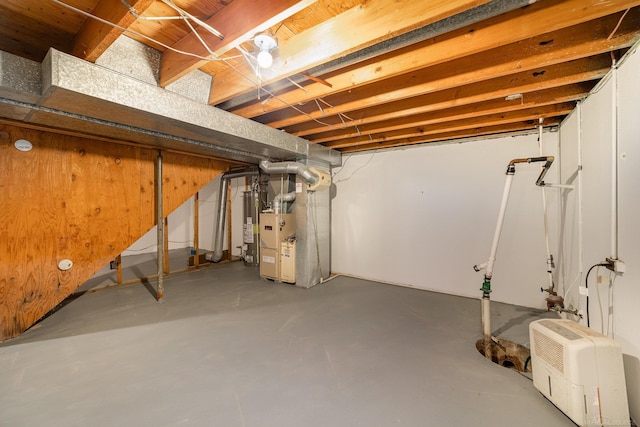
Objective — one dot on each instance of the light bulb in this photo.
(265, 59)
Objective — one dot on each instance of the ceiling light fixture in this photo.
(266, 43)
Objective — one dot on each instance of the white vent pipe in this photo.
(299, 169)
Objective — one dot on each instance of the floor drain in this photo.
(508, 354)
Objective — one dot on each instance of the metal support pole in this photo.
(196, 229)
(160, 227)
(229, 226)
(166, 246)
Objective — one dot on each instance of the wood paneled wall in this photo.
(79, 199)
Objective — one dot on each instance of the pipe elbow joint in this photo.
(480, 267)
(214, 256)
(296, 168)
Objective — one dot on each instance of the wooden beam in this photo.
(29, 35)
(238, 22)
(547, 97)
(549, 49)
(541, 17)
(119, 269)
(470, 123)
(357, 28)
(524, 83)
(95, 36)
(472, 134)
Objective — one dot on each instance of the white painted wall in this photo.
(626, 316)
(422, 217)
(594, 127)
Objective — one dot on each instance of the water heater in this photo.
(580, 371)
(250, 227)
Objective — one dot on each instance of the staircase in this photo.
(78, 199)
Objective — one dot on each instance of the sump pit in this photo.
(508, 354)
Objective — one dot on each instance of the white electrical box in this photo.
(324, 180)
(277, 247)
(580, 371)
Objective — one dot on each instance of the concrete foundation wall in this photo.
(423, 217)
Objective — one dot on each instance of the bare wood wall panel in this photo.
(184, 176)
(78, 199)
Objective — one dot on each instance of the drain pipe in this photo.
(487, 266)
(216, 255)
(299, 169)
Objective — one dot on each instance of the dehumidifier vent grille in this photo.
(549, 350)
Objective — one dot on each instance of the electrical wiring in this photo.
(586, 285)
(618, 25)
(204, 58)
(135, 33)
(354, 172)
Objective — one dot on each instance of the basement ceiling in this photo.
(357, 75)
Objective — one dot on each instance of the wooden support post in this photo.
(119, 270)
(160, 227)
(166, 245)
(196, 229)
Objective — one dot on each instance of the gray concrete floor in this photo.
(228, 349)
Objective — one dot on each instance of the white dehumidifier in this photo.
(580, 371)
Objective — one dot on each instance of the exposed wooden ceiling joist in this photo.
(96, 36)
(503, 30)
(360, 74)
(577, 42)
(501, 87)
(462, 124)
(541, 98)
(454, 135)
(238, 22)
(355, 29)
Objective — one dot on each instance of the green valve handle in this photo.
(486, 287)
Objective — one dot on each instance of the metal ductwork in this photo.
(280, 198)
(296, 168)
(68, 93)
(216, 255)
